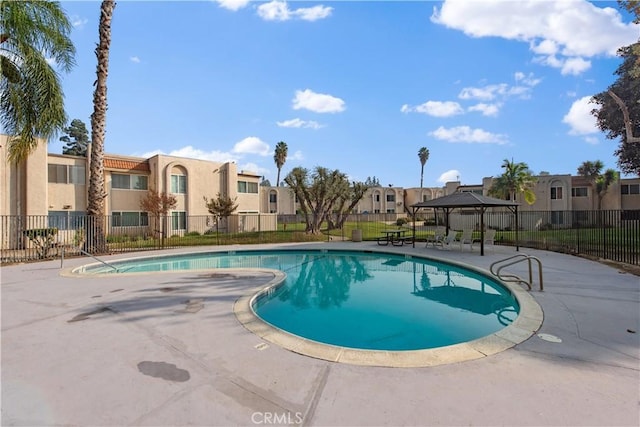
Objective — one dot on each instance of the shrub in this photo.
(401, 221)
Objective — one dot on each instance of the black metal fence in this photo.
(611, 235)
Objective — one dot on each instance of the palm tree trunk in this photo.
(96, 239)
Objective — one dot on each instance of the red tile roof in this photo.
(126, 164)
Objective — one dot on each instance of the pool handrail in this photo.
(87, 254)
(515, 259)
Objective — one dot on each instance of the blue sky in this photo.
(356, 86)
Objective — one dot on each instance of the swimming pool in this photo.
(357, 299)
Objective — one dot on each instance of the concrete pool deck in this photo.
(167, 349)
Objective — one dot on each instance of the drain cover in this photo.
(549, 337)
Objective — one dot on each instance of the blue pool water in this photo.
(362, 300)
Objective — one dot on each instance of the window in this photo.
(557, 217)
(377, 198)
(273, 198)
(139, 182)
(247, 187)
(66, 174)
(579, 192)
(630, 189)
(426, 198)
(179, 220)
(66, 220)
(179, 184)
(129, 182)
(556, 193)
(391, 211)
(129, 219)
(391, 197)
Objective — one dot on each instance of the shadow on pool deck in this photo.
(201, 367)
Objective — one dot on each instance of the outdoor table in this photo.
(395, 237)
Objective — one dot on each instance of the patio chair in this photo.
(437, 237)
(489, 238)
(449, 239)
(466, 239)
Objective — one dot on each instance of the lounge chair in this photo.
(437, 237)
(466, 239)
(489, 238)
(449, 239)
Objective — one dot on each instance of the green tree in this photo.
(516, 179)
(77, 139)
(372, 182)
(265, 182)
(345, 204)
(280, 157)
(31, 96)
(600, 182)
(96, 242)
(322, 192)
(423, 155)
(221, 207)
(618, 111)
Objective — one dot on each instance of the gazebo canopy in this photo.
(463, 200)
(467, 200)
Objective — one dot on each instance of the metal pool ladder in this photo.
(508, 277)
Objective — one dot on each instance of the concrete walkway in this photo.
(166, 349)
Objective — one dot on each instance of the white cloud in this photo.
(466, 134)
(252, 145)
(486, 109)
(194, 153)
(253, 168)
(522, 89)
(135, 59)
(78, 22)
(591, 140)
(580, 119)
(317, 102)
(299, 123)
(435, 108)
(297, 155)
(313, 13)
(575, 66)
(277, 10)
(558, 32)
(232, 4)
(449, 176)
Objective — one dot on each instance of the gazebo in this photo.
(466, 200)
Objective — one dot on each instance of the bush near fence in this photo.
(610, 235)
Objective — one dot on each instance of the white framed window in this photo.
(129, 219)
(556, 193)
(630, 189)
(247, 187)
(129, 182)
(391, 197)
(179, 184)
(179, 219)
(66, 174)
(579, 192)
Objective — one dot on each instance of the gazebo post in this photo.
(481, 231)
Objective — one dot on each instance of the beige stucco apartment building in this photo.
(55, 187)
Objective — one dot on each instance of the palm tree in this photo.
(600, 182)
(280, 156)
(31, 97)
(96, 239)
(423, 155)
(516, 179)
